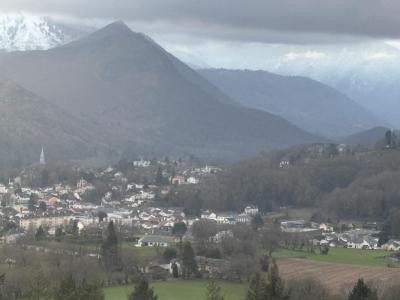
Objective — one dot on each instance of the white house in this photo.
(392, 245)
(152, 241)
(251, 210)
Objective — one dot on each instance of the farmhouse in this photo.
(152, 241)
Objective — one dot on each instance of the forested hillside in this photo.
(349, 183)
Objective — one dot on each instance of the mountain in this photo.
(367, 137)
(29, 123)
(311, 105)
(143, 100)
(367, 71)
(21, 32)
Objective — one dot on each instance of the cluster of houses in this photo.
(355, 238)
(61, 204)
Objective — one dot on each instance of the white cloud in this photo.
(380, 55)
(311, 55)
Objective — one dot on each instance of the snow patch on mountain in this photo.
(22, 32)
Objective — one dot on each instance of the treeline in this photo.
(352, 184)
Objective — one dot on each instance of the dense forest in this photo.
(347, 183)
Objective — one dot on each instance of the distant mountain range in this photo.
(367, 71)
(367, 137)
(119, 88)
(311, 105)
(21, 32)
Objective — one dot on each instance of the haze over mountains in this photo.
(29, 122)
(309, 104)
(142, 100)
(366, 71)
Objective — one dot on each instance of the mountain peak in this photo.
(118, 26)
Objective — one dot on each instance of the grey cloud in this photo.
(255, 20)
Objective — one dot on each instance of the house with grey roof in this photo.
(152, 241)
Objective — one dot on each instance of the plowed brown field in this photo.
(336, 277)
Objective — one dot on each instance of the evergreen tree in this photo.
(110, 250)
(213, 290)
(179, 230)
(43, 206)
(90, 292)
(275, 285)
(361, 291)
(58, 234)
(40, 234)
(257, 222)
(257, 288)
(189, 265)
(32, 202)
(75, 229)
(175, 270)
(66, 290)
(142, 291)
(159, 176)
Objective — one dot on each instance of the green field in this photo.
(341, 255)
(181, 290)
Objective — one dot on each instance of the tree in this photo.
(179, 230)
(309, 289)
(75, 228)
(159, 176)
(43, 206)
(189, 265)
(175, 270)
(361, 291)
(101, 215)
(110, 251)
(213, 290)
(40, 234)
(32, 202)
(324, 249)
(257, 288)
(142, 291)
(58, 234)
(270, 238)
(169, 254)
(68, 290)
(275, 286)
(257, 221)
(203, 230)
(90, 292)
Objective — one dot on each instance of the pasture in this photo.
(181, 290)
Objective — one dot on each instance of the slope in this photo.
(306, 103)
(143, 99)
(29, 123)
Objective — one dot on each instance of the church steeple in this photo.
(42, 159)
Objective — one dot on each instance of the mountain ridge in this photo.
(141, 98)
(311, 105)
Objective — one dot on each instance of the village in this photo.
(54, 208)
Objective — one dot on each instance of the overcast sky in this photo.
(235, 33)
(254, 20)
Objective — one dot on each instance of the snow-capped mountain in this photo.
(21, 32)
